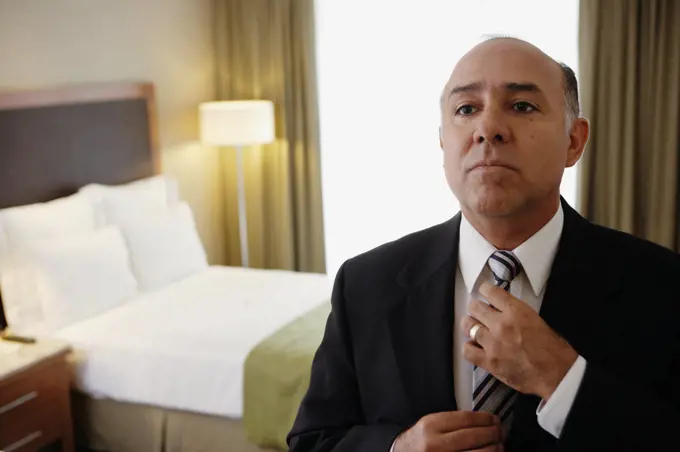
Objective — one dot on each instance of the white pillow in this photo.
(155, 193)
(21, 301)
(22, 225)
(4, 252)
(164, 247)
(62, 217)
(73, 279)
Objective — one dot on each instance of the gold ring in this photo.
(474, 330)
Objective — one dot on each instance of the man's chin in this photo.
(494, 206)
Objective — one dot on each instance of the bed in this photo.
(168, 354)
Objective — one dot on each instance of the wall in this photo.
(167, 42)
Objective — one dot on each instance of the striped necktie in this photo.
(490, 394)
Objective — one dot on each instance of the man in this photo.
(517, 325)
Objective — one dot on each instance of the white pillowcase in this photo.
(4, 252)
(111, 202)
(164, 247)
(72, 279)
(20, 299)
(19, 226)
(62, 217)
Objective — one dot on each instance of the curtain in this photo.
(265, 49)
(629, 60)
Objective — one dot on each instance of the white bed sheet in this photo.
(185, 346)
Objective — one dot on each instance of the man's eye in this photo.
(523, 107)
(466, 110)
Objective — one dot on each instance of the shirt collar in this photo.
(536, 254)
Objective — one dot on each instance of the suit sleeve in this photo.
(330, 417)
(611, 414)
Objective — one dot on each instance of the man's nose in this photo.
(491, 128)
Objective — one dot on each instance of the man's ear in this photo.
(580, 131)
(441, 143)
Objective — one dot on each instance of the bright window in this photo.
(381, 66)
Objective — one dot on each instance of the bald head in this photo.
(525, 54)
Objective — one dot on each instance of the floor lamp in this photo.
(238, 124)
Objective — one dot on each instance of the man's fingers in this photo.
(450, 421)
(472, 438)
(497, 297)
(494, 448)
(485, 313)
(466, 325)
(474, 354)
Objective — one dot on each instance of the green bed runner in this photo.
(276, 378)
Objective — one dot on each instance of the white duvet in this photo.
(184, 346)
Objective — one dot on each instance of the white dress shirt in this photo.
(536, 255)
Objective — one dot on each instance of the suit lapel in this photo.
(582, 281)
(421, 323)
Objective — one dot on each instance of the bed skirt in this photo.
(106, 425)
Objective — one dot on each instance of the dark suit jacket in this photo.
(386, 358)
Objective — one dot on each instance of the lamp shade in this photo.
(237, 123)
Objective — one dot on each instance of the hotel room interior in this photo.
(181, 180)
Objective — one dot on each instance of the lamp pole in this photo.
(242, 220)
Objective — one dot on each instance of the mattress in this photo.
(184, 347)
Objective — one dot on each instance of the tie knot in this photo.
(505, 267)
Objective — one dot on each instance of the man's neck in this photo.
(508, 232)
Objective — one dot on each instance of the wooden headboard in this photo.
(55, 140)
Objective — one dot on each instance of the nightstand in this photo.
(35, 405)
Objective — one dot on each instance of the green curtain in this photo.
(629, 57)
(265, 49)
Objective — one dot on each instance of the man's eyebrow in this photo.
(476, 86)
(515, 87)
(524, 86)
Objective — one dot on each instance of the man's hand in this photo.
(515, 344)
(453, 431)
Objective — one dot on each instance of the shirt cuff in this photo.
(552, 414)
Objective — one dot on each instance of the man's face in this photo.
(503, 129)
